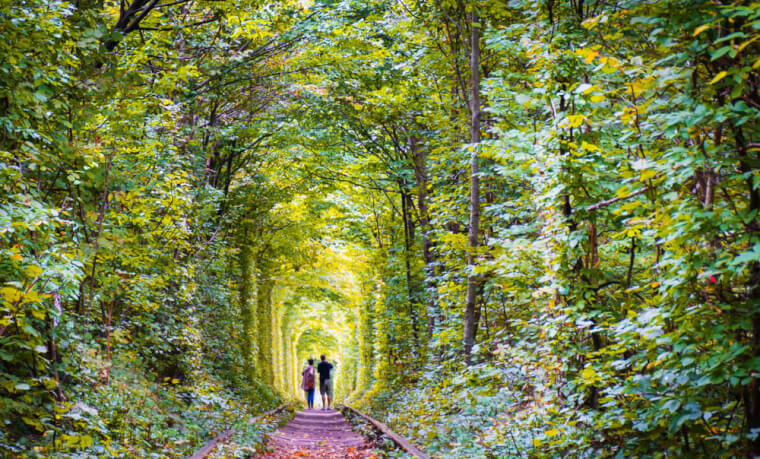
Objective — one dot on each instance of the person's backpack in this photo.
(309, 377)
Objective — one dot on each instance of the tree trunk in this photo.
(408, 241)
(101, 215)
(108, 342)
(473, 279)
(421, 178)
(264, 322)
(247, 309)
(751, 390)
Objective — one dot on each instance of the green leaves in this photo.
(220, 194)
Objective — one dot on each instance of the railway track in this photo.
(320, 434)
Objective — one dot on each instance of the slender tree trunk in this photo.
(473, 279)
(421, 178)
(101, 215)
(264, 321)
(295, 372)
(408, 240)
(246, 292)
(52, 348)
(277, 347)
(108, 342)
(366, 343)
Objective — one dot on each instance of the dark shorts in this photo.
(325, 387)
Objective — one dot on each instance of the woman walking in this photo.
(307, 383)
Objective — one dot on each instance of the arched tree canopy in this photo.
(521, 229)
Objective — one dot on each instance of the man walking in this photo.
(325, 384)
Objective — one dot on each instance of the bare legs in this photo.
(329, 401)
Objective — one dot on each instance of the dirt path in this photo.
(318, 434)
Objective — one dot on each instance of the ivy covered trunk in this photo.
(473, 237)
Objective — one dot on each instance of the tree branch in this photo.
(143, 13)
(601, 204)
(167, 29)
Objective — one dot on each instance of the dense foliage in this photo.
(519, 228)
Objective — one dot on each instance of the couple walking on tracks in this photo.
(325, 383)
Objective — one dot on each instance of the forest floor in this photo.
(318, 433)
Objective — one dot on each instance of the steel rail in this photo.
(208, 447)
(402, 442)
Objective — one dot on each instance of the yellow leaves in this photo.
(718, 77)
(639, 86)
(11, 294)
(628, 115)
(590, 23)
(700, 29)
(455, 240)
(585, 88)
(589, 375)
(647, 174)
(589, 146)
(531, 51)
(611, 64)
(120, 336)
(32, 271)
(83, 441)
(745, 44)
(591, 91)
(653, 365)
(551, 433)
(33, 422)
(629, 206)
(572, 121)
(587, 54)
